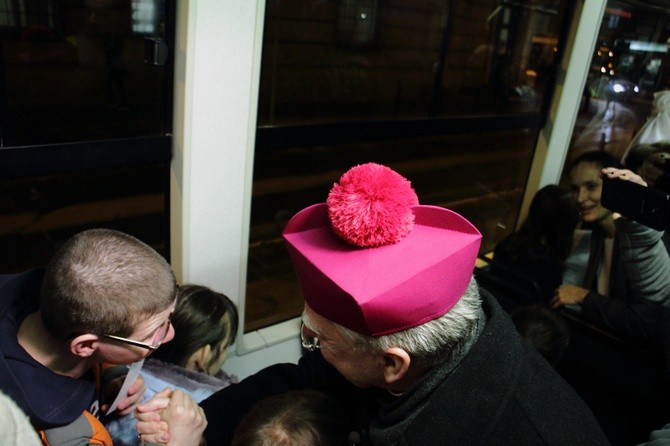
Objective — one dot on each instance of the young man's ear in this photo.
(84, 345)
(396, 364)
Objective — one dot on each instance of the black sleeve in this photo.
(226, 408)
(635, 321)
(663, 183)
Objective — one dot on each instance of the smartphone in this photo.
(644, 205)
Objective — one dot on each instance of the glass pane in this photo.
(37, 214)
(75, 70)
(481, 176)
(353, 60)
(630, 63)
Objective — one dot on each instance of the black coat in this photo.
(502, 393)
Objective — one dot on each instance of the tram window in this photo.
(74, 71)
(343, 81)
(38, 213)
(84, 127)
(326, 61)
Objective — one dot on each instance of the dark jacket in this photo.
(59, 405)
(639, 282)
(502, 393)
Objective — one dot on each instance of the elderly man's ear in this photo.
(396, 364)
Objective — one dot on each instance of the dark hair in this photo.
(295, 418)
(544, 329)
(599, 157)
(661, 146)
(551, 221)
(637, 154)
(198, 321)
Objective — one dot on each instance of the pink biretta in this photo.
(374, 260)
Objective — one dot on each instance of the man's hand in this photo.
(568, 294)
(134, 397)
(130, 402)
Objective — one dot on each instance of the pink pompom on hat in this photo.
(374, 260)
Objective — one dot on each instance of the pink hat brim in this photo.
(382, 290)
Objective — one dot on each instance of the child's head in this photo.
(295, 418)
(104, 282)
(205, 325)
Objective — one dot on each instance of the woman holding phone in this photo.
(615, 262)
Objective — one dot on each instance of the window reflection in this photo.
(38, 213)
(326, 61)
(83, 129)
(630, 63)
(74, 71)
(144, 16)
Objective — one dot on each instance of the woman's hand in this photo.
(568, 294)
(623, 174)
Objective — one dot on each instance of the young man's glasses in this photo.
(159, 336)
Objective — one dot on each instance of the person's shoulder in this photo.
(11, 284)
(548, 404)
(14, 424)
(85, 428)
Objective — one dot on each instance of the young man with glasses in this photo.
(104, 298)
(396, 328)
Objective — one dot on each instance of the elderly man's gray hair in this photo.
(436, 340)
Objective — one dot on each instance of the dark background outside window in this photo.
(83, 124)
